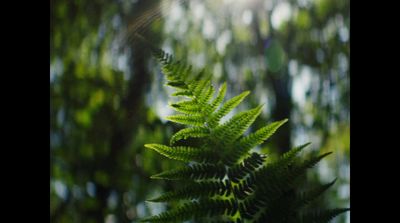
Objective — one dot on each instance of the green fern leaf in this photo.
(185, 93)
(196, 209)
(194, 172)
(278, 172)
(299, 169)
(193, 132)
(306, 197)
(196, 190)
(187, 107)
(227, 183)
(177, 84)
(249, 165)
(192, 120)
(225, 135)
(236, 126)
(200, 87)
(182, 153)
(220, 97)
(258, 137)
(204, 98)
(321, 216)
(226, 108)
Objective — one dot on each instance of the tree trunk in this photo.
(280, 82)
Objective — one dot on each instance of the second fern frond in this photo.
(225, 180)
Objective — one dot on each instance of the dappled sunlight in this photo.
(108, 95)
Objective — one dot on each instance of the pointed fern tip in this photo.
(331, 183)
(168, 118)
(150, 146)
(156, 176)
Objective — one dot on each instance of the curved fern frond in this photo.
(258, 137)
(196, 190)
(226, 108)
(177, 84)
(204, 98)
(194, 172)
(281, 173)
(182, 153)
(306, 197)
(236, 126)
(248, 166)
(196, 209)
(200, 86)
(279, 167)
(193, 132)
(298, 170)
(278, 210)
(192, 120)
(321, 216)
(186, 93)
(220, 97)
(227, 181)
(187, 107)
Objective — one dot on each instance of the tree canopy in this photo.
(107, 97)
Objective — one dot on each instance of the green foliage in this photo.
(224, 180)
(99, 118)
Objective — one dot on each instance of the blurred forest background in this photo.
(107, 95)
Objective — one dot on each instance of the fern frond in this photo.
(280, 172)
(284, 176)
(226, 108)
(187, 107)
(196, 209)
(277, 170)
(248, 166)
(321, 216)
(176, 70)
(243, 189)
(194, 172)
(258, 137)
(288, 157)
(204, 98)
(227, 133)
(185, 93)
(200, 76)
(306, 197)
(218, 99)
(227, 183)
(300, 169)
(177, 84)
(199, 87)
(193, 132)
(231, 130)
(160, 55)
(279, 210)
(192, 120)
(182, 153)
(196, 190)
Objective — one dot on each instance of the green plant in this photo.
(225, 181)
